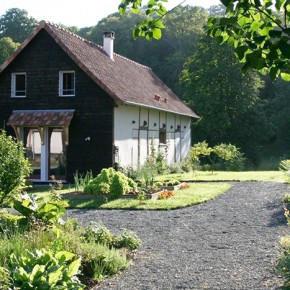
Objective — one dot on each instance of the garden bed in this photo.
(80, 195)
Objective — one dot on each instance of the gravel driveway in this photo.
(227, 243)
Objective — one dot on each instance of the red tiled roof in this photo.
(40, 118)
(124, 80)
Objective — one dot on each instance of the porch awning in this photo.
(40, 119)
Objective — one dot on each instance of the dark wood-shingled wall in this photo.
(42, 59)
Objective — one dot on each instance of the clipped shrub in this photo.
(43, 269)
(110, 181)
(172, 182)
(120, 184)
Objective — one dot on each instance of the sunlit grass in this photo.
(277, 176)
(195, 194)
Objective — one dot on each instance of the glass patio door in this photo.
(57, 153)
(32, 142)
(46, 151)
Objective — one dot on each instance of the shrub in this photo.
(128, 240)
(175, 168)
(14, 167)
(186, 165)
(119, 185)
(284, 166)
(43, 269)
(110, 181)
(172, 182)
(98, 233)
(237, 163)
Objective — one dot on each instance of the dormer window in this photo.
(18, 85)
(66, 83)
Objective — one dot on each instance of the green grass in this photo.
(195, 194)
(276, 176)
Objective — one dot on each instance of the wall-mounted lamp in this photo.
(178, 127)
(87, 139)
(164, 126)
(184, 127)
(145, 123)
(171, 127)
(155, 124)
(133, 122)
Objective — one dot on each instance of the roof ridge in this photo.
(93, 44)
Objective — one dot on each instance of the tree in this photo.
(16, 24)
(14, 167)
(260, 38)
(224, 97)
(165, 56)
(7, 47)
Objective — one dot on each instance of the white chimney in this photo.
(108, 44)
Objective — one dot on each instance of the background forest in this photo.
(247, 110)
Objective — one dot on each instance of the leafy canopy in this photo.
(150, 27)
(259, 35)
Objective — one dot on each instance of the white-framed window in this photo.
(18, 85)
(66, 83)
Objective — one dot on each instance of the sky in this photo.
(80, 13)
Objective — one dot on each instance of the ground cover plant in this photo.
(38, 249)
(61, 256)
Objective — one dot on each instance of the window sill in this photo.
(66, 96)
(18, 97)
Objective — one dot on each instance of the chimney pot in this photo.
(108, 43)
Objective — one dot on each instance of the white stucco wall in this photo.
(135, 128)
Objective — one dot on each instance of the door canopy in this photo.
(40, 119)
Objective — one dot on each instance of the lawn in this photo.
(196, 193)
(276, 176)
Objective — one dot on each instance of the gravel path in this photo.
(227, 243)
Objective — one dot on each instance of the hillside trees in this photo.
(7, 47)
(226, 99)
(16, 24)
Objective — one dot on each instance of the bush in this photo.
(110, 181)
(128, 240)
(175, 168)
(186, 165)
(98, 233)
(14, 167)
(284, 166)
(237, 163)
(43, 269)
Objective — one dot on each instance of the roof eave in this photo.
(192, 115)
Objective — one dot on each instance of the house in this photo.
(80, 106)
